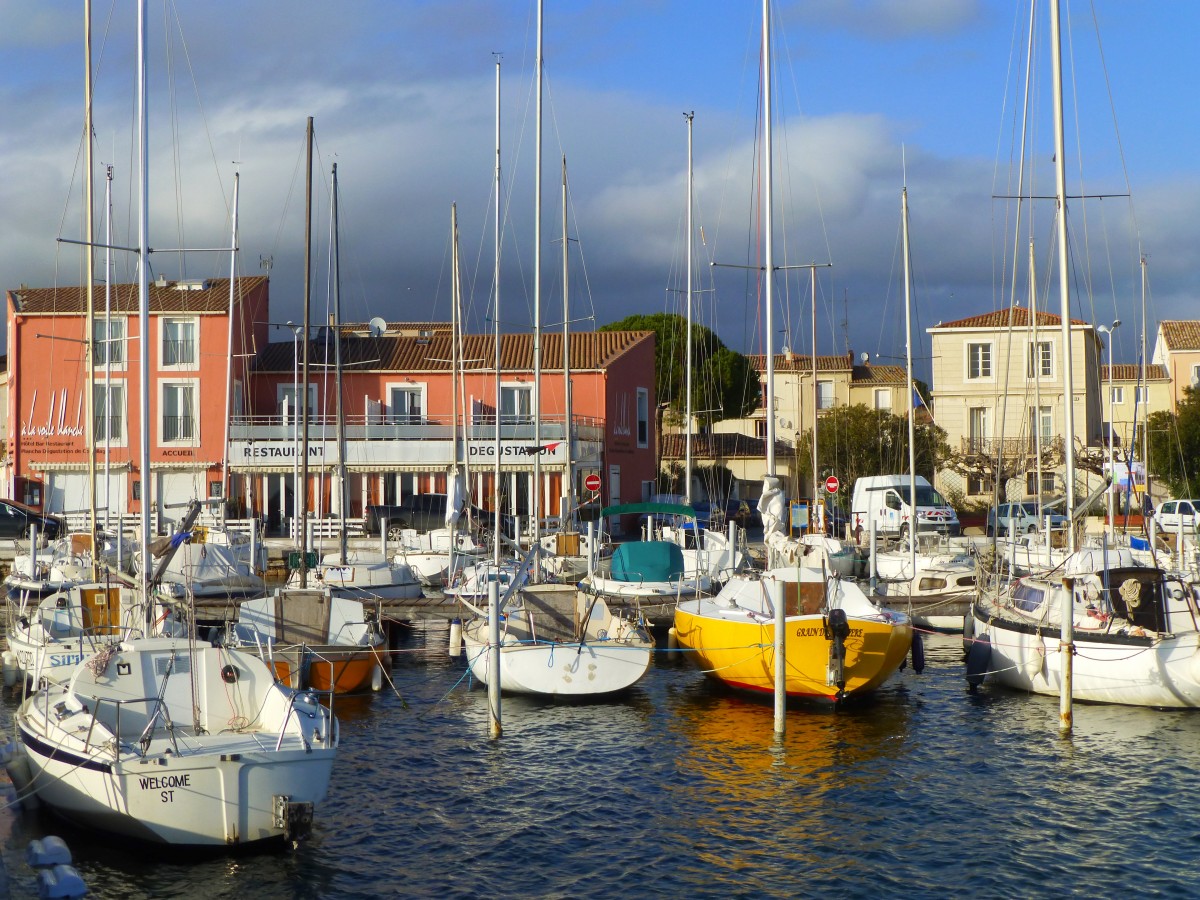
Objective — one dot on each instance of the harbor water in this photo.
(679, 789)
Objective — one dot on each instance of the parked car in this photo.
(16, 519)
(422, 512)
(1021, 518)
(1173, 514)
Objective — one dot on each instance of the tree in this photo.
(724, 384)
(1174, 440)
(853, 441)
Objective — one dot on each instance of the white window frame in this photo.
(985, 420)
(164, 385)
(826, 397)
(517, 415)
(417, 388)
(285, 391)
(163, 323)
(883, 398)
(1040, 364)
(1141, 395)
(119, 390)
(105, 342)
(643, 417)
(968, 360)
(1116, 396)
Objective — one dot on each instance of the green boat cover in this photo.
(647, 509)
(647, 561)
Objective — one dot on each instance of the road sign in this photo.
(592, 482)
(832, 484)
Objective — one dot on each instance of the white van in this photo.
(884, 500)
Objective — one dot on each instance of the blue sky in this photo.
(402, 95)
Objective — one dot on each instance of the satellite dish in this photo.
(377, 326)
(865, 357)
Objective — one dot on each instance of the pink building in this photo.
(190, 347)
(224, 423)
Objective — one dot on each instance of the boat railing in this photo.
(156, 710)
(310, 699)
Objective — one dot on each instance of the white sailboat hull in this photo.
(560, 669)
(1137, 672)
(168, 742)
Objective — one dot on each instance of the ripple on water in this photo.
(679, 789)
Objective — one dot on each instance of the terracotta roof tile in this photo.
(210, 295)
(803, 364)
(1133, 372)
(1181, 334)
(590, 350)
(722, 446)
(1017, 317)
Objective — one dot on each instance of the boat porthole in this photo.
(229, 674)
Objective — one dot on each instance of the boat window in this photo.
(932, 584)
(1028, 597)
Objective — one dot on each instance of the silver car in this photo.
(1020, 518)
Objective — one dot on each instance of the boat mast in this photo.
(908, 381)
(780, 661)
(568, 474)
(1145, 404)
(535, 509)
(302, 488)
(1064, 281)
(90, 276)
(687, 418)
(339, 413)
(496, 332)
(227, 479)
(108, 177)
(1037, 378)
(768, 247)
(812, 281)
(144, 316)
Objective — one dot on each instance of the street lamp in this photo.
(1108, 330)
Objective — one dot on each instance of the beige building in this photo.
(839, 382)
(999, 393)
(1127, 400)
(1177, 349)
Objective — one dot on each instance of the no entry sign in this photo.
(832, 484)
(592, 482)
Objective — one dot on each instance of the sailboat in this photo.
(553, 642)
(837, 642)
(934, 586)
(325, 635)
(163, 739)
(1099, 627)
(356, 574)
(675, 559)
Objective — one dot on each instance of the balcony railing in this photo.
(409, 428)
(1009, 448)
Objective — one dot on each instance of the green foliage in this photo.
(854, 441)
(1174, 440)
(724, 384)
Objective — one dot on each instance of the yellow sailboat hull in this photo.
(741, 652)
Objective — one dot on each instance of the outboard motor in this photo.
(837, 629)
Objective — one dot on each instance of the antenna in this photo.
(865, 357)
(377, 326)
